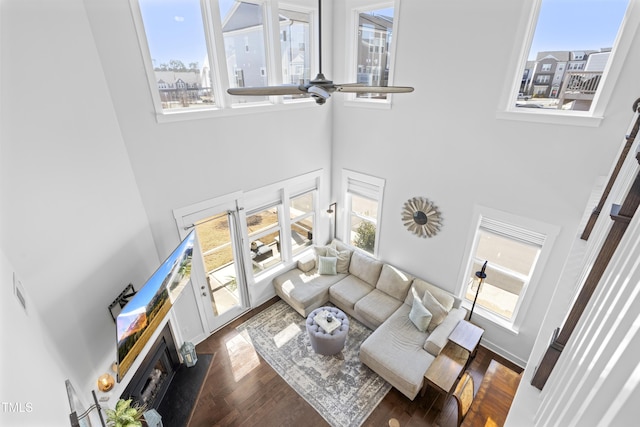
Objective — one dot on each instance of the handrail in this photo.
(614, 174)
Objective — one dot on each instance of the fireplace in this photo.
(152, 379)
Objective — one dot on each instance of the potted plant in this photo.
(125, 414)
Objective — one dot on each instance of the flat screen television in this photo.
(144, 312)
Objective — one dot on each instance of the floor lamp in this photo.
(333, 210)
(481, 275)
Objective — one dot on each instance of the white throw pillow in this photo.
(420, 316)
(435, 308)
(327, 265)
(344, 257)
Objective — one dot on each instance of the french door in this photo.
(219, 274)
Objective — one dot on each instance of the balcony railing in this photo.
(579, 87)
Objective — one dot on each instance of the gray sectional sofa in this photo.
(405, 339)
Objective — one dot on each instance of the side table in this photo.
(468, 336)
(448, 366)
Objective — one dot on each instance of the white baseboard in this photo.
(504, 353)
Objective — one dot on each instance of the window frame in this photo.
(300, 218)
(354, 8)
(592, 118)
(516, 222)
(374, 192)
(212, 27)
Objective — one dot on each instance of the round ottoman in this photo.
(327, 343)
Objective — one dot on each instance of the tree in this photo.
(365, 236)
(193, 66)
(176, 65)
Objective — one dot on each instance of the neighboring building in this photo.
(180, 88)
(548, 73)
(527, 77)
(374, 39)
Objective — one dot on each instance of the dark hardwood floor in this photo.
(260, 397)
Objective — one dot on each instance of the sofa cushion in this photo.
(419, 315)
(394, 351)
(366, 268)
(304, 291)
(344, 259)
(307, 264)
(346, 293)
(445, 298)
(436, 309)
(375, 307)
(437, 339)
(394, 282)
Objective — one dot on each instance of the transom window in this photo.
(374, 47)
(194, 50)
(574, 41)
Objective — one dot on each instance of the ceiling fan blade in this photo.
(266, 90)
(373, 89)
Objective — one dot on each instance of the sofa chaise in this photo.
(411, 319)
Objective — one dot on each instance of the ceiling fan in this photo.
(320, 88)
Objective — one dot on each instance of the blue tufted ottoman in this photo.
(323, 342)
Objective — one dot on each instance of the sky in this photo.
(175, 31)
(592, 24)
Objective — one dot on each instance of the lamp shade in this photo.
(188, 352)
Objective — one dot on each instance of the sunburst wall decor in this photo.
(421, 217)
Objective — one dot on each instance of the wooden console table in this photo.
(444, 371)
(494, 397)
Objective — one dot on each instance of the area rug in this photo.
(179, 400)
(340, 388)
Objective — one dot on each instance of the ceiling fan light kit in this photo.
(320, 88)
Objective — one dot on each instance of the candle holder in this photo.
(105, 382)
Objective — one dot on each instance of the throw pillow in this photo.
(344, 257)
(420, 316)
(435, 308)
(327, 265)
(320, 251)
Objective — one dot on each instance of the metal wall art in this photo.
(421, 217)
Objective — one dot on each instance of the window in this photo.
(263, 229)
(373, 49)
(515, 250)
(295, 47)
(244, 45)
(375, 29)
(363, 199)
(165, 23)
(210, 46)
(302, 216)
(593, 47)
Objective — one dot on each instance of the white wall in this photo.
(443, 142)
(181, 163)
(73, 224)
(32, 389)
